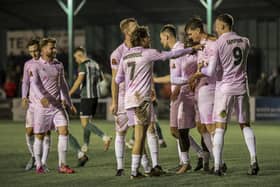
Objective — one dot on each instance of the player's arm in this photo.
(162, 80)
(38, 86)
(115, 92)
(79, 80)
(179, 80)
(25, 88)
(209, 69)
(64, 92)
(120, 76)
(174, 53)
(77, 84)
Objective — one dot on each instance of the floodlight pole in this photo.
(70, 14)
(208, 4)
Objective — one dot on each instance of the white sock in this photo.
(135, 162)
(30, 142)
(46, 149)
(196, 147)
(62, 149)
(218, 147)
(179, 152)
(185, 157)
(250, 142)
(208, 142)
(153, 146)
(119, 151)
(80, 154)
(37, 147)
(145, 163)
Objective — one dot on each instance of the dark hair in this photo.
(194, 23)
(171, 29)
(33, 42)
(45, 41)
(227, 19)
(138, 35)
(124, 23)
(81, 49)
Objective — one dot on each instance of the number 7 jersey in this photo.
(136, 69)
(233, 52)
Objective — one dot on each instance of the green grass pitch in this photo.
(100, 169)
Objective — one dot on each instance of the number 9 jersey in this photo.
(233, 52)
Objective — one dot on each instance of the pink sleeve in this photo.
(210, 69)
(64, 90)
(155, 55)
(37, 84)
(25, 82)
(120, 74)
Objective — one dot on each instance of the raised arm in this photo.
(173, 54)
(162, 80)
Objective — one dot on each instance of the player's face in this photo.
(163, 40)
(219, 26)
(131, 27)
(146, 42)
(194, 35)
(49, 50)
(78, 57)
(34, 51)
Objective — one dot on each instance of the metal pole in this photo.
(209, 10)
(70, 11)
(70, 40)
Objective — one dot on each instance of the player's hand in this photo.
(114, 108)
(198, 47)
(193, 82)
(200, 65)
(175, 93)
(63, 103)
(155, 79)
(24, 103)
(73, 109)
(45, 102)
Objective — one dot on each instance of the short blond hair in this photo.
(124, 23)
(45, 41)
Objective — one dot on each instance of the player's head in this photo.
(33, 48)
(194, 29)
(141, 37)
(167, 33)
(48, 47)
(223, 23)
(128, 25)
(80, 54)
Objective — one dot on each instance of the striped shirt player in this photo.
(90, 90)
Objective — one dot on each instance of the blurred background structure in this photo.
(96, 27)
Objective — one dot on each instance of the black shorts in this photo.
(88, 106)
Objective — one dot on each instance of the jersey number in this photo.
(238, 56)
(132, 66)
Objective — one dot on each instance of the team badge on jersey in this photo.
(114, 62)
(173, 66)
